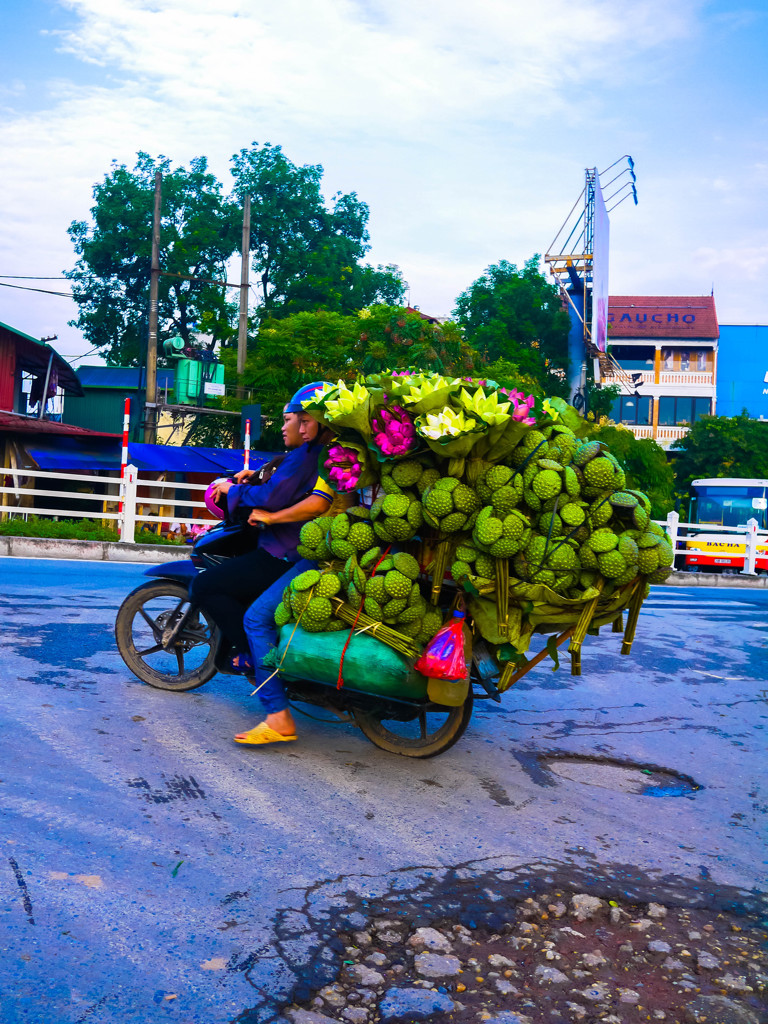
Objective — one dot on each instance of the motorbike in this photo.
(170, 643)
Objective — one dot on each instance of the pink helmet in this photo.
(210, 501)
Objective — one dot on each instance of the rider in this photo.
(292, 495)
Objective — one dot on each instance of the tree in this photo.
(199, 231)
(722, 446)
(601, 399)
(645, 464)
(516, 315)
(306, 253)
(321, 345)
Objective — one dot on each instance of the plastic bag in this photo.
(444, 655)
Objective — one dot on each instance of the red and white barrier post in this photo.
(247, 453)
(124, 460)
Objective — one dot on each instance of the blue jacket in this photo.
(293, 480)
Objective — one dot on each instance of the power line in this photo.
(30, 277)
(43, 291)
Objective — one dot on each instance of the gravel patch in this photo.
(562, 957)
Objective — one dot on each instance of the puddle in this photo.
(621, 776)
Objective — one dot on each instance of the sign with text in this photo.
(600, 248)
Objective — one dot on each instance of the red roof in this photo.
(662, 316)
(12, 423)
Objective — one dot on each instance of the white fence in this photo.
(120, 500)
(686, 545)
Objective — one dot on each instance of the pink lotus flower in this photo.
(344, 467)
(393, 431)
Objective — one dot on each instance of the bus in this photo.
(726, 501)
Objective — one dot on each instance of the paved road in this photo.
(154, 871)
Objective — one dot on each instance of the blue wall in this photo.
(742, 371)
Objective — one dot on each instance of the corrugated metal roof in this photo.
(12, 423)
(34, 356)
(662, 316)
(120, 377)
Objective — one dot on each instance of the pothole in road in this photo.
(622, 776)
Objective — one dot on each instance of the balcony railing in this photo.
(638, 431)
(666, 435)
(687, 378)
(678, 378)
(662, 435)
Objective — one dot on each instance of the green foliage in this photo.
(516, 315)
(110, 280)
(645, 464)
(324, 345)
(722, 446)
(508, 375)
(600, 400)
(306, 253)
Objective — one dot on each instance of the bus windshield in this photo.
(729, 505)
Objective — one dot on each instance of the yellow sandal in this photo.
(262, 733)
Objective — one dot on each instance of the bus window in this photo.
(729, 505)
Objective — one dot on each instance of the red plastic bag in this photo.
(444, 655)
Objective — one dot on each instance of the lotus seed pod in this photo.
(603, 540)
(305, 580)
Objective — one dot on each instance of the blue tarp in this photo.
(164, 457)
(86, 455)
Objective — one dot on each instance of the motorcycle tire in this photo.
(202, 632)
(450, 729)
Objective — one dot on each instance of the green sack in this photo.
(369, 665)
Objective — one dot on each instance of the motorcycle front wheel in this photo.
(142, 627)
(435, 730)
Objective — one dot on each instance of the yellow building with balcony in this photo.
(662, 352)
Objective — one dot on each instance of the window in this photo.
(632, 409)
(683, 410)
(634, 357)
(701, 407)
(667, 359)
(685, 360)
(699, 359)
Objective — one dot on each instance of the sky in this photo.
(467, 128)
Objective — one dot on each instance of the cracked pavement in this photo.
(155, 871)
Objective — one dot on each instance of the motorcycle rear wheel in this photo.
(438, 729)
(139, 622)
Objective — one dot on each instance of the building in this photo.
(34, 379)
(101, 404)
(664, 353)
(742, 370)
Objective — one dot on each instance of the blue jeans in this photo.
(259, 624)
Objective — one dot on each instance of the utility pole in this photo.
(150, 398)
(242, 328)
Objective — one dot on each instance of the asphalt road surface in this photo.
(154, 871)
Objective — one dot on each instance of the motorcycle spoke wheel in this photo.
(432, 731)
(143, 619)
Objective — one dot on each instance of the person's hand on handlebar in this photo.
(260, 517)
(244, 475)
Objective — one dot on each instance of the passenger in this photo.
(259, 622)
(291, 495)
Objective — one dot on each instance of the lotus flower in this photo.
(393, 431)
(522, 406)
(346, 401)
(344, 467)
(485, 407)
(446, 423)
